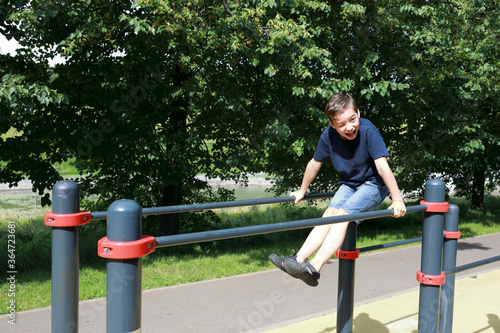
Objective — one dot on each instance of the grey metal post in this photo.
(124, 276)
(449, 261)
(345, 298)
(65, 260)
(432, 245)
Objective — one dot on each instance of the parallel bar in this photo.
(124, 276)
(345, 298)
(465, 267)
(65, 260)
(389, 245)
(449, 261)
(98, 215)
(205, 236)
(432, 246)
(217, 205)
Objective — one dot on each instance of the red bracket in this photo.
(67, 220)
(432, 280)
(435, 207)
(452, 234)
(126, 250)
(341, 254)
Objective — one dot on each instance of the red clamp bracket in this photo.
(435, 207)
(432, 280)
(341, 254)
(126, 250)
(67, 220)
(452, 234)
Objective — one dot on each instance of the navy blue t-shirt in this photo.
(353, 159)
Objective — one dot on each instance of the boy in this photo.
(358, 153)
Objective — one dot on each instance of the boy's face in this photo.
(347, 124)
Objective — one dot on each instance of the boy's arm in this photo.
(311, 171)
(385, 172)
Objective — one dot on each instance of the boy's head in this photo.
(343, 114)
(338, 103)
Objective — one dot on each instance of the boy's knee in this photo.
(340, 211)
(334, 212)
(329, 212)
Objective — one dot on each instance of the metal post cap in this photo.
(434, 190)
(65, 197)
(124, 221)
(65, 185)
(125, 207)
(453, 208)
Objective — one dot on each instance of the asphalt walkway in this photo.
(386, 299)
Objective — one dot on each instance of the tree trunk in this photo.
(172, 192)
(169, 223)
(478, 189)
(479, 179)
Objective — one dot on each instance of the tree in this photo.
(159, 92)
(153, 93)
(453, 105)
(478, 46)
(26, 96)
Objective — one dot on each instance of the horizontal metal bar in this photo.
(455, 270)
(389, 245)
(228, 204)
(205, 236)
(98, 216)
(217, 205)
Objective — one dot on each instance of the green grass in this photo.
(20, 206)
(197, 262)
(67, 169)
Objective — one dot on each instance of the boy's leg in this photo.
(367, 197)
(316, 237)
(319, 233)
(331, 244)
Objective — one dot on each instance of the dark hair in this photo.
(338, 103)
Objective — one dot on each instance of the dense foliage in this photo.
(153, 93)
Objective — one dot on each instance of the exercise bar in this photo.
(217, 205)
(205, 236)
(465, 267)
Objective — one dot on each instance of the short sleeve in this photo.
(322, 150)
(376, 145)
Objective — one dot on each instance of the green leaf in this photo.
(270, 70)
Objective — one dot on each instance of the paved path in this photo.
(476, 309)
(272, 300)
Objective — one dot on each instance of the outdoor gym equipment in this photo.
(125, 245)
